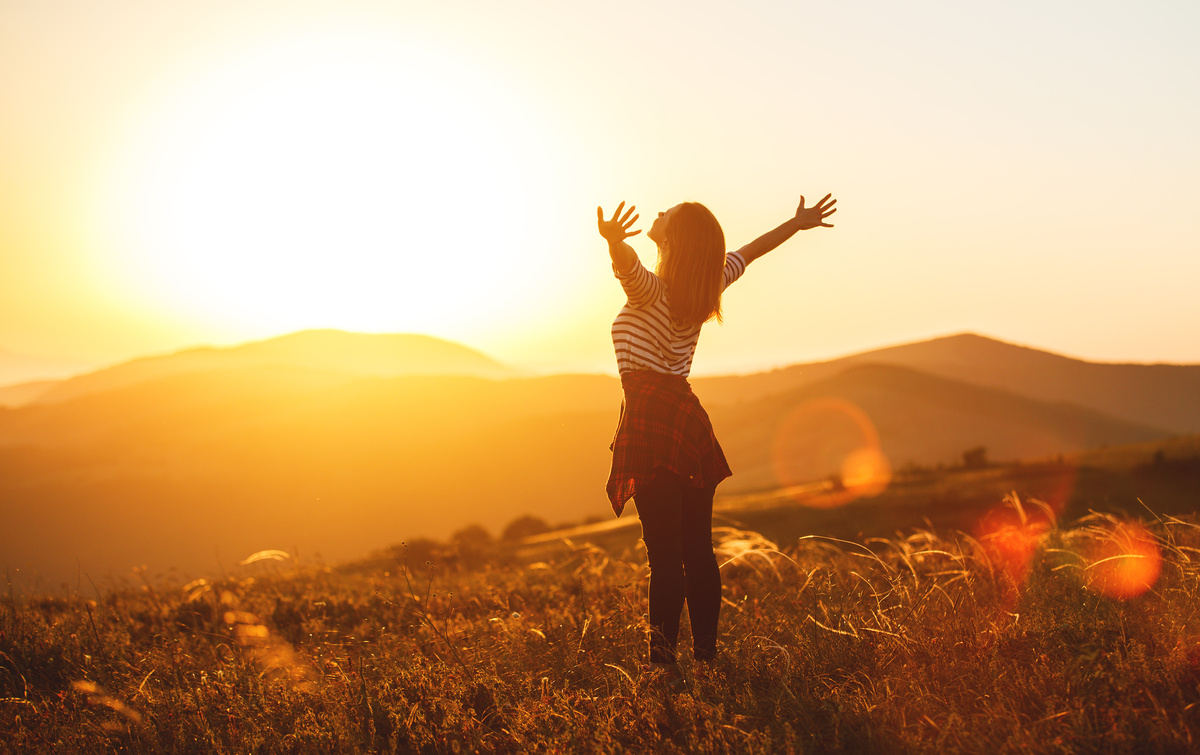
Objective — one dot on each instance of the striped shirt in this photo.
(644, 335)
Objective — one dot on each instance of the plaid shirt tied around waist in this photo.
(662, 425)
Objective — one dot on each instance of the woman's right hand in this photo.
(616, 229)
(811, 217)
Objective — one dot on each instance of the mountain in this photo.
(358, 354)
(24, 368)
(1159, 395)
(919, 419)
(166, 472)
(221, 406)
(24, 393)
(174, 469)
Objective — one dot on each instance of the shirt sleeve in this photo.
(735, 265)
(642, 287)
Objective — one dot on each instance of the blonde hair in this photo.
(693, 265)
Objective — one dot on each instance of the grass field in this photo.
(1029, 637)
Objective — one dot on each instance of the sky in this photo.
(179, 174)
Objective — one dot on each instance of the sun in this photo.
(330, 179)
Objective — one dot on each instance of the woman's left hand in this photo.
(616, 229)
(811, 217)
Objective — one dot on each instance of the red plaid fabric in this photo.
(662, 425)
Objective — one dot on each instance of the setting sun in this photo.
(328, 179)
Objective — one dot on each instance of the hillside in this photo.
(920, 420)
(358, 354)
(21, 394)
(1034, 642)
(17, 367)
(1166, 396)
(191, 468)
(165, 472)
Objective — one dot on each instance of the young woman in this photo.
(665, 454)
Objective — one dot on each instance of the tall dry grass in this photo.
(1023, 638)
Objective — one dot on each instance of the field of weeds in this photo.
(1030, 638)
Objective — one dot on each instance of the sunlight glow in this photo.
(331, 180)
(1125, 561)
(829, 438)
(1011, 535)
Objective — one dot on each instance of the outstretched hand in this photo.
(617, 228)
(811, 217)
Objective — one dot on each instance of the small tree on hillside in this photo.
(525, 526)
(475, 546)
(472, 536)
(975, 458)
(419, 553)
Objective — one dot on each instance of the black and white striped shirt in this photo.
(644, 335)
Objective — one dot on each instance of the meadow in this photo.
(1031, 637)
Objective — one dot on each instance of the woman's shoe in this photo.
(668, 675)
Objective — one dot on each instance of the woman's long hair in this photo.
(693, 264)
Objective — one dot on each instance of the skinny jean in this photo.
(677, 529)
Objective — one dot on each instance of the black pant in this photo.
(677, 528)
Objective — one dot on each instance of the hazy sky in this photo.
(174, 174)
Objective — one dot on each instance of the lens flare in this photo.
(834, 440)
(866, 471)
(1125, 561)
(1010, 535)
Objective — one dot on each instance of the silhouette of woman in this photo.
(665, 454)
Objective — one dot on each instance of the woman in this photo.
(665, 454)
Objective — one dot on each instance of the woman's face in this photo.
(658, 229)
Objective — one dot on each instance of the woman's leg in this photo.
(703, 576)
(658, 506)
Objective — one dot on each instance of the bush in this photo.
(523, 527)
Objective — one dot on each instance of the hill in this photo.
(1158, 395)
(172, 471)
(165, 472)
(1039, 639)
(18, 367)
(920, 419)
(21, 394)
(359, 354)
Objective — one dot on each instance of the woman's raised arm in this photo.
(805, 218)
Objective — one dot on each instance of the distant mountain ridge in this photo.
(921, 419)
(359, 354)
(308, 440)
(24, 393)
(18, 368)
(1159, 395)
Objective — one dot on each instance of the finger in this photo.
(599, 214)
(617, 211)
(631, 233)
(801, 207)
(632, 221)
(828, 211)
(628, 212)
